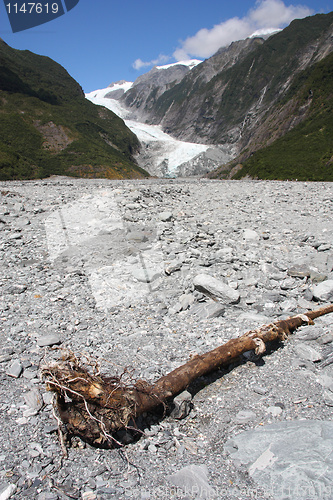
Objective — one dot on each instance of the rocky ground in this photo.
(120, 271)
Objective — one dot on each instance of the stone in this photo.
(216, 288)
(146, 275)
(15, 370)
(193, 481)
(299, 271)
(324, 247)
(182, 405)
(326, 381)
(280, 457)
(275, 411)
(89, 495)
(327, 338)
(317, 277)
(208, 310)
(308, 353)
(323, 291)
(16, 289)
(288, 284)
(7, 491)
(34, 399)
(309, 333)
(288, 305)
(258, 389)
(166, 216)
(250, 235)
(244, 416)
(328, 398)
(172, 267)
(49, 340)
(185, 301)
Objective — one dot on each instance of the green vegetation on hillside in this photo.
(48, 127)
(306, 152)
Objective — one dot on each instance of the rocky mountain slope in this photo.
(48, 127)
(295, 139)
(229, 105)
(250, 95)
(146, 89)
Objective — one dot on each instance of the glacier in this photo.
(161, 154)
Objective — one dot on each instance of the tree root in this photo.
(94, 407)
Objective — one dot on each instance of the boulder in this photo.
(213, 287)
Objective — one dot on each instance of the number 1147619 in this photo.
(32, 8)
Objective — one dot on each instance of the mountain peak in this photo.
(190, 63)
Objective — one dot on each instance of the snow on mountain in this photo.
(191, 63)
(122, 84)
(98, 97)
(162, 155)
(265, 33)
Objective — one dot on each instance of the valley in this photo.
(161, 154)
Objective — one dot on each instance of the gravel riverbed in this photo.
(142, 275)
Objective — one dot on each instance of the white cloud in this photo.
(266, 15)
(138, 64)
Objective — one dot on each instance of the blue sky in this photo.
(103, 41)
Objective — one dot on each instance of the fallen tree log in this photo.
(94, 407)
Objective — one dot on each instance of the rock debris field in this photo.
(140, 276)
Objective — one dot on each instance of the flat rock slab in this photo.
(289, 460)
(324, 291)
(193, 481)
(214, 287)
(48, 340)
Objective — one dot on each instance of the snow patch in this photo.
(191, 63)
(162, 155)
(125, 86)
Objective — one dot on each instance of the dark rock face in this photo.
(225, 98)
(150, 86)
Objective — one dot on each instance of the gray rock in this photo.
(288, 305)
(172, 267)
(260, 390)
(16, 289)
(146, 275)
(323, 291)
(193, 481)
(244, 416)
(216, 288)
(183, 404)
(290, 460)
(250, 235)
(309, 333)
(299, 271)
(185, 301)
(325, 339)
(324, 247)
(317, 277)
(275, 411)
(7, 490)
(208, 310)
(165, 216)
(49, 340)
(15, 370)
(308, 353)
(288, 284)
(34, 399)
(326, 381)
(328, 398)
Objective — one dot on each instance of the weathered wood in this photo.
(94, 406)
